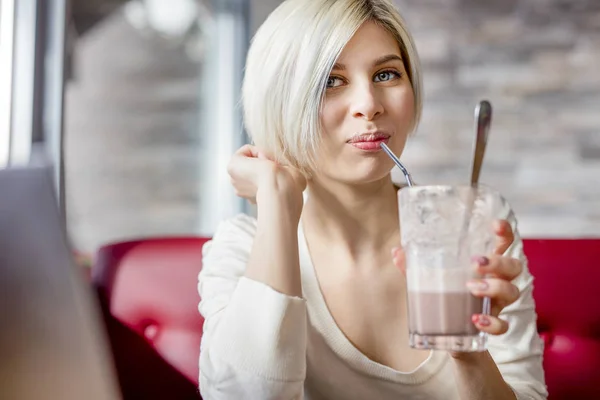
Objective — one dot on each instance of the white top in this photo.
(261, 344)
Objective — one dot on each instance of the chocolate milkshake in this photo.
(440, 309)
(441, 229)
(443, 313)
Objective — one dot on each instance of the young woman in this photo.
(306, 301)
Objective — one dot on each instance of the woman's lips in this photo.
(369, 143)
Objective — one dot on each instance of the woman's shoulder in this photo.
(241, 225)
(229, 249)
(236, 232)
(224, 260)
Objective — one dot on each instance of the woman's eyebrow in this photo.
(384, 59)
(379, 61)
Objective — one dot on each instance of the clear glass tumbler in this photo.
(442, 229)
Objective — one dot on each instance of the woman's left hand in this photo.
(498, 271)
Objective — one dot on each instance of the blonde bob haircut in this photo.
(289, 61)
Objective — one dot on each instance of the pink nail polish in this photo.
(483, 320)
(481, 260)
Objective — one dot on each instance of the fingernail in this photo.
(478, 285)
(482, 261)
(394, 250)
(483, 320)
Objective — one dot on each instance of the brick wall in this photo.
(133, 148)
(538, 62)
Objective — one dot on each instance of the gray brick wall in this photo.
(133, 147)
(537, 61)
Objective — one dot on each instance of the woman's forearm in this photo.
(274, 260)
(478, 378)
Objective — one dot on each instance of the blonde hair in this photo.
(289, 61)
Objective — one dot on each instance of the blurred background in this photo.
(151, 111)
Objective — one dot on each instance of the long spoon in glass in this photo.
(483, 119)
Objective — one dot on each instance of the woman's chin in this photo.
(360, 176)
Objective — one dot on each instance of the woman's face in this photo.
(369, 100)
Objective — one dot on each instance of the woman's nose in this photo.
(366, 103)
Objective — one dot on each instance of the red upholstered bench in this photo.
(148, 292)
(567, 295)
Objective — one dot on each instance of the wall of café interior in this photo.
(132, 115)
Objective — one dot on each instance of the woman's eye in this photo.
(386, 76)
(334, 81)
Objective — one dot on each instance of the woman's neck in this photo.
(361, 217)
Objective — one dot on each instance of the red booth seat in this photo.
(567, 295)
(148, 292)
(148, 289)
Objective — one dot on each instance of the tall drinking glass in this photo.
(442, 229)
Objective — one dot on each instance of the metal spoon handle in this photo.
(483, 119)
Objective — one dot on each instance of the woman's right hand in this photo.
(253, 176)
